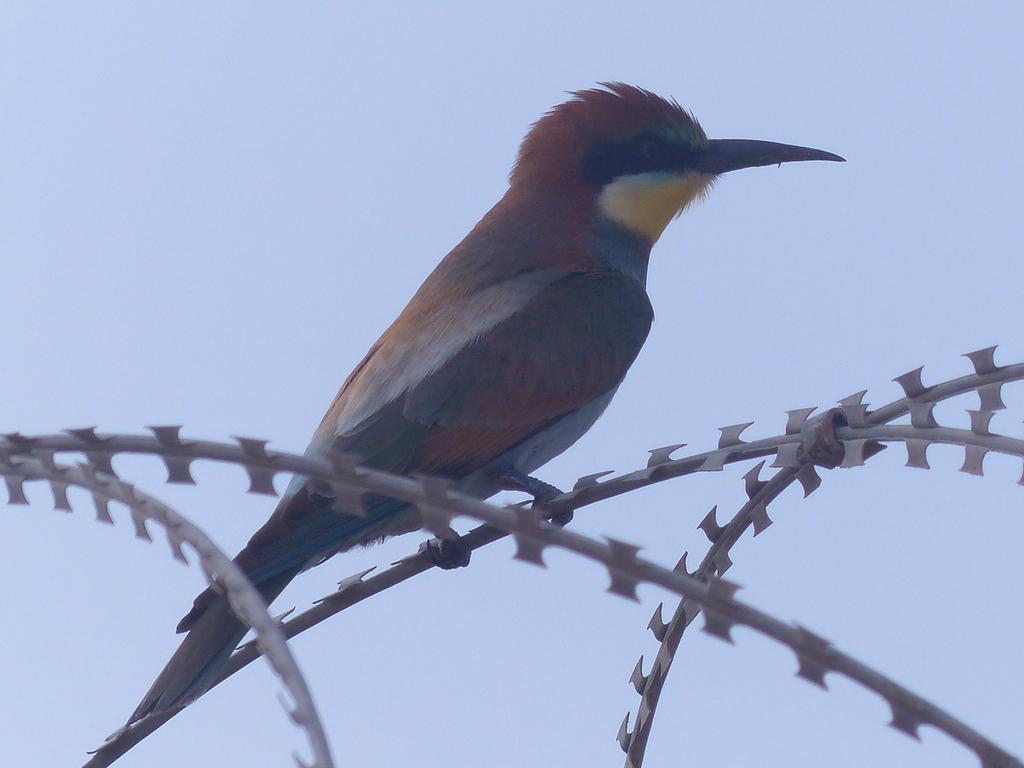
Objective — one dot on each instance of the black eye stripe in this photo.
(652, 149)
(641, 154)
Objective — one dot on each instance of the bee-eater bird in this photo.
(509, 351)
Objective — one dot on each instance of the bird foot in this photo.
(447, 554)
(562, 519)
(513, 480)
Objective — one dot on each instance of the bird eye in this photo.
(652, 150)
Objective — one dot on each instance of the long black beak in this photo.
(723, 155)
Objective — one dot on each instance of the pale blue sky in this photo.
(209, 211)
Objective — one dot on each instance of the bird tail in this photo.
(212, 637)
(299, 532)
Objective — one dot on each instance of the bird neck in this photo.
(618, 249)
(557, 228)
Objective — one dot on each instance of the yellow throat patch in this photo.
(646, 202)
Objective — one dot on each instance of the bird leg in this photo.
(514, 480)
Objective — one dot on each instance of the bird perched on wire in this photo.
(506, 355)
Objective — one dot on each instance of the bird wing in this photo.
(569, 344)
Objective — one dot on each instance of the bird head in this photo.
(639, 158)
